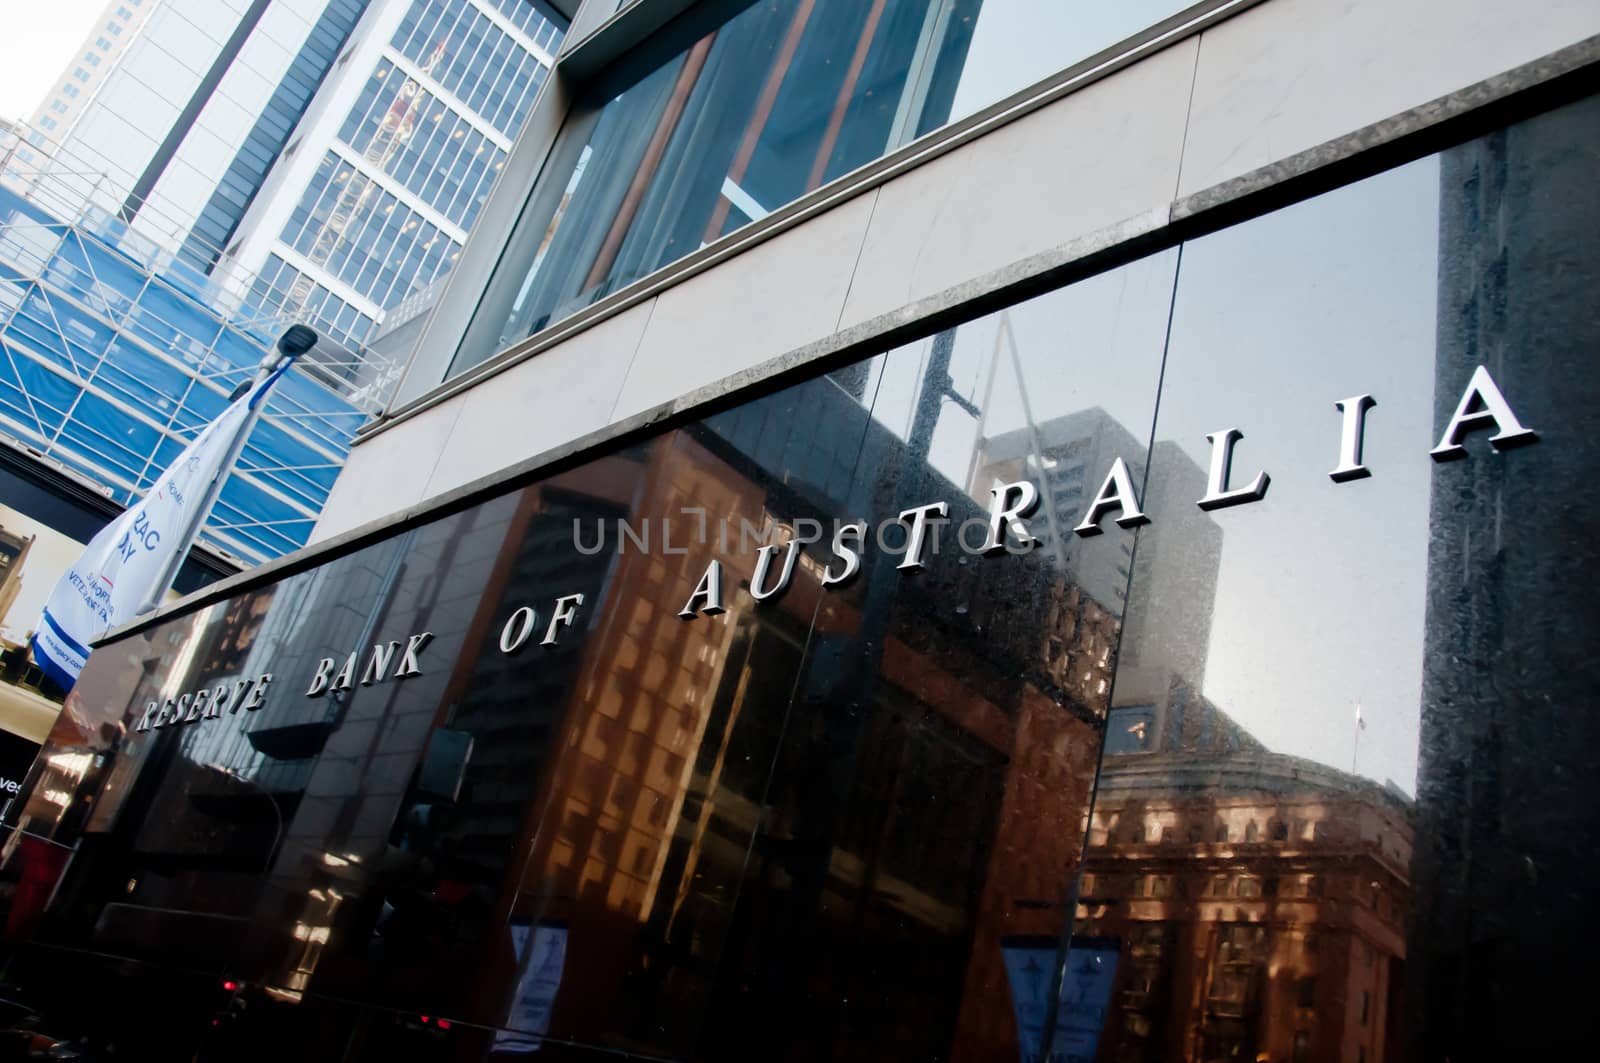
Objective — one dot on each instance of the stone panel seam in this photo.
(444, 445)
(1188, 114)
(861, 250)
(1570, 60)
(622, 381)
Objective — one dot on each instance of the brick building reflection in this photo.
(1261, 898)
(880, 841)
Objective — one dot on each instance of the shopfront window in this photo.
(708, 131)
(1216, 765)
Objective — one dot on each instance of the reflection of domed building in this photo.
(1261, 898)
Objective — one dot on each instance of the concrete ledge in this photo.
(1439, 117)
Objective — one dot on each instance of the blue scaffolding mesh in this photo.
(113, 354)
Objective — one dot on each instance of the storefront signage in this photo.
(1482, 406)
(1002, 530)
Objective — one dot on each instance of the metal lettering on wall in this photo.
(1482, 406)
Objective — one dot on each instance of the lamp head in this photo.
(297, 340)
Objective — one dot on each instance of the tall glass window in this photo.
(411, 134)
(281, 286)
(456, 43)
(365, 236)
(705, 132)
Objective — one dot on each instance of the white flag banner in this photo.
(529, 1018)
(121, 564)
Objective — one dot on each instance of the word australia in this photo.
(1482, 407)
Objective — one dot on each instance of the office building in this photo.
(189, 134)
(714, 651)
(326, 157)
(146, 162)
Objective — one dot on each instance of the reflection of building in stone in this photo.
(883, 809)
(1261, 900)
(1067, 457)
(405, 860)
(703, 761)
(1167, 633)
(1163, 647)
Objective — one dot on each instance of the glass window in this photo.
(782, 97)
(348, 224)
(398, 125)
(456, 44)
(526, 17)
(281, 289)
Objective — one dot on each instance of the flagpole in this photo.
(295, 341)
(1355, 747)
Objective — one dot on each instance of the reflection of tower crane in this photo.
(394, 132)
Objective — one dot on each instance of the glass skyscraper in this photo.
(241, 165)
(270, 135)
(390, 193)
(324, 156)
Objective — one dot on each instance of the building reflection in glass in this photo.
(1251, 839)
(838, 802)
(875, 810)
(1262, 897)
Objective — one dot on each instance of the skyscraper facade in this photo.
(375, 193)
(323, 157)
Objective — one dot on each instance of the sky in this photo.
(39, 40)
